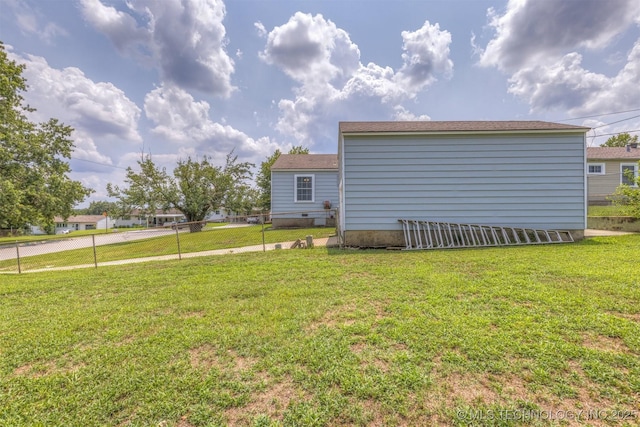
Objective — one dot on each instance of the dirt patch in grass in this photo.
(373, 412)
(271, 402)
(23, 370)
(46, 369)
(343, 315)
(347, 314)
(470, 389)
(380, 364)
(206, 357)
(455, 389)
(182, 422)
(358, 348)
(629, 316)
(587, 391)
(193, 314)
(604, 343)
(129, 339)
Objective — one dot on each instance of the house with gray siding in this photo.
(304, 190)
(527, 174)
(607, 168)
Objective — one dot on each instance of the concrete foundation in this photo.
(577, 234)
(374, 238)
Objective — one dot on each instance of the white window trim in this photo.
(635, 173)
(313, 188)
(602, 169)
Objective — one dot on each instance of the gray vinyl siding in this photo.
(524, 180)
(283, 197)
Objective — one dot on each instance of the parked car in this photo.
(253, 220)
(179, 224)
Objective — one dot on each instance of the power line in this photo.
(613, 123)
(600, 115)
(615, 133)
(98, 163)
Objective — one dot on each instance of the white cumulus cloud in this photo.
(185, 39)
(426, 54)
(178, 117)
(325, 63)
(566, 84)
(541, 45)
(533, 31)
(96, 108)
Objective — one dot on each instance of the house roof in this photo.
(605, 153)
(454, 126)
(80, 219)
(306, 162)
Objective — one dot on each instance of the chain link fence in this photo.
(177, 240)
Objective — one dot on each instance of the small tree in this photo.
(621, 140)
(196, 187)
(627, 197)
(263, 180)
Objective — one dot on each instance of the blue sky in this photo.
(178, 78)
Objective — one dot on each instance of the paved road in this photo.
(28, 249)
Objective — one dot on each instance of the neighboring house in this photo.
(164, 217)
(219, 215)
(77, 223)
(304, 190)
(159, 219)
(506, 173)
(35, 230)
(606, 170)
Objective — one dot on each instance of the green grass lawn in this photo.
(329, 337)
(208, 239)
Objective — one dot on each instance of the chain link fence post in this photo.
(18, 257)
(95, 258)
(264, 247)
(178, 240)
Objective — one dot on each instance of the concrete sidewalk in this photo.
(597, 233)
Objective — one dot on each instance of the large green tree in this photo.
(196, 188)
(98, 207)
(263, 180)
(621, 140)
(34, 182)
